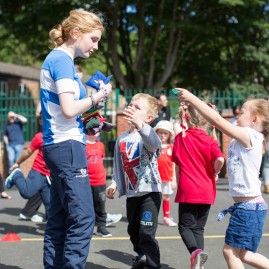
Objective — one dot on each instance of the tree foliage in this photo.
(149, 44)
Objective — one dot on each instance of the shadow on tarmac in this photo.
(118, 256)
(3, 266)
(13, 211)
(9, 228)
(90, 265)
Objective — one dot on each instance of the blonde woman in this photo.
(63, 99)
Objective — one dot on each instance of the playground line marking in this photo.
(127, 238)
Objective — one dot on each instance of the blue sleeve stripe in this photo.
(48, 96)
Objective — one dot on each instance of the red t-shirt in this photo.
(194, 154)
(39, 163)
(165, 164)
(95, 154)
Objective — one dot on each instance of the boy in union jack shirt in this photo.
(135, 174)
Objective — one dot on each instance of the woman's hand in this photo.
(105, 87)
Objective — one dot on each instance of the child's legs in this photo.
(166, 192)
(232, 257)
(243, 236)
(30, 186)
(166, 205)
(32, 205)
(235, 258)
(99, 200)
(149, 211)
(202, 216)
(133, 216)
(192, 220)
(256, 260)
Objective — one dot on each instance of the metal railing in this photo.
(223, 99)
(22, 102)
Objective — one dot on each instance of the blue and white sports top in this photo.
(56, 127)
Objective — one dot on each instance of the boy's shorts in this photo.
(245, 228)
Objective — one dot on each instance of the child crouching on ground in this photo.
(135, 174)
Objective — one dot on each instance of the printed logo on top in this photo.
(130, 153)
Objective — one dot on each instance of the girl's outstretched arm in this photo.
(214, 118)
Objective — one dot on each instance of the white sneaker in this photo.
(112, 218)
(23, 217)
(37, 218)
(169, 222)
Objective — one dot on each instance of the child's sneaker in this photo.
(112, 219)
(9, 180)
(198, 258)
(139, 262)
(23, 217)
(102, 231)
(37, 218)
(169, 222)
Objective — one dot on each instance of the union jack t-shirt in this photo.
(135, 168)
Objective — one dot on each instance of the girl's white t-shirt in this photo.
(244, 166)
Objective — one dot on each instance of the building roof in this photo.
(21, 71)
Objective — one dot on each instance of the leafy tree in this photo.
(233, 48)
(149, 44)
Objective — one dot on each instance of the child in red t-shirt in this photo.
(198, 161)
(38, 179)
(95, 153)
(166, 167)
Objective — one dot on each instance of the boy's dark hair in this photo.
(158, 96)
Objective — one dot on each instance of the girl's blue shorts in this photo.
(245, 229)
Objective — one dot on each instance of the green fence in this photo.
(22, 102)
(223, 99)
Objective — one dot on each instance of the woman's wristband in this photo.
(93, 101)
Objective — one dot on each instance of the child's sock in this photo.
(166, 208)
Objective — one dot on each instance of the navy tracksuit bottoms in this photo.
(71, 214)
